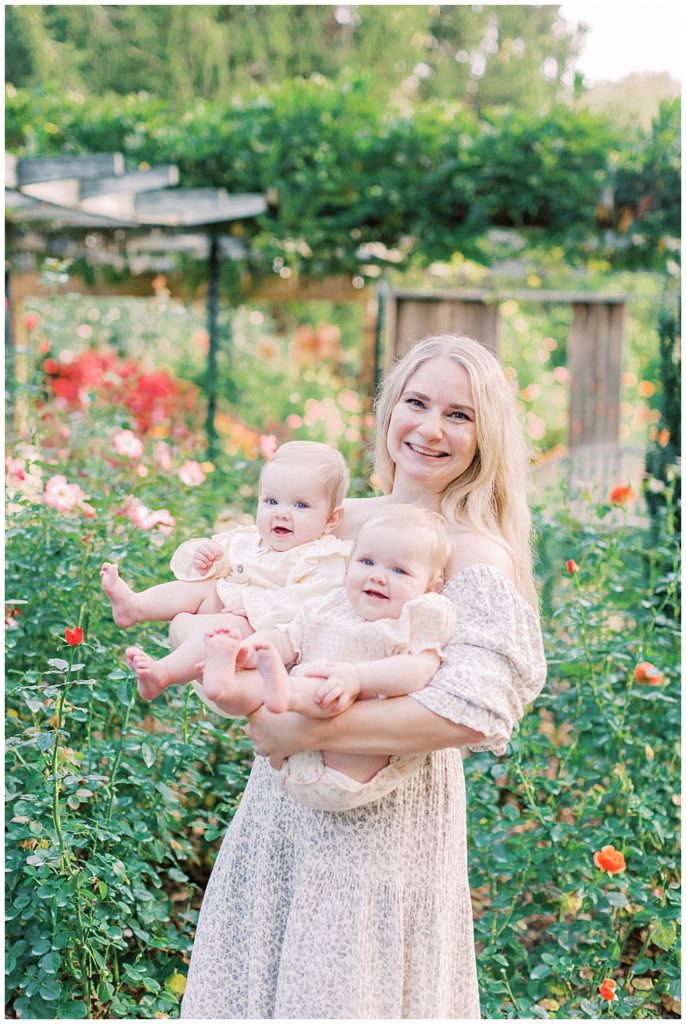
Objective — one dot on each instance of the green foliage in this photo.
(594, 763)
(490, 55)
(355, 184)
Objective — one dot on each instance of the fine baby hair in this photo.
(326, 461)
(402, 517)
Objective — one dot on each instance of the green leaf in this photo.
(617, 899)
(541, 971)
(59, 663)
(663, 934)
(148, 755)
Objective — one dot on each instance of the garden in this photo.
(115, 809)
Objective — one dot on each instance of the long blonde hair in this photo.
(490, 496)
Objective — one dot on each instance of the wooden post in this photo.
(212, 361)
(412, 317)
(594, 358)
(9, 355)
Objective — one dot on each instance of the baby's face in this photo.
(293, 507)
(386, 570)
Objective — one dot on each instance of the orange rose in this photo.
(621, 493)
(608, 989)
(647, 673)
(610, 860)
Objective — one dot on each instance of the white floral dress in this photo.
(366, 914)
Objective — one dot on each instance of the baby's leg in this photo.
(361, 767)
(279, 691)
(159, 603)
(181, 665)
(236, 694)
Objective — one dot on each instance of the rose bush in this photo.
(115, 808)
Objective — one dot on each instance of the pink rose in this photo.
(191, 474)
(127, 444)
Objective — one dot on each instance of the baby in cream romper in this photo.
(259, 575)
(379, 636)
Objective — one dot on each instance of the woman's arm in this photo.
(398, 725)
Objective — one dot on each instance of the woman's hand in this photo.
(277, 736)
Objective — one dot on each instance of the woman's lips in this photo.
(428, 452)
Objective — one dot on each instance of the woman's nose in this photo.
(431, 424)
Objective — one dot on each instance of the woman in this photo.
(366, 913)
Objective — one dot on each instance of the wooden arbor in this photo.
(77, 196)
(594, 346)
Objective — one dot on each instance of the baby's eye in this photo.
(366, 561)
(400, 570)
(301, 504)
(270, 501)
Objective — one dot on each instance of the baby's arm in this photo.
(395, 676)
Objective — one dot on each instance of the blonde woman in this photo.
(366, 913)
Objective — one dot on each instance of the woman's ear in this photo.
(333, 519)
(435, 585)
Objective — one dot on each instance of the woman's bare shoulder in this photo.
(470, 548)
(355, 511)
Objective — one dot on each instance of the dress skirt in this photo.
(351, 914)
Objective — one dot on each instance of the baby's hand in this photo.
(340, 685)
(205, 555)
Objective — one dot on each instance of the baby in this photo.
(260, 574)
(381, 636)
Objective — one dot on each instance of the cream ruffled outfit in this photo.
(366, 914)
(269, 585)
(329, 629)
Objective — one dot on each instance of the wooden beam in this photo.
(190, 207)
(34, 169)
(21, 207)
(331, 289)
(116, 196)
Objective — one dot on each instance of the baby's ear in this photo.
(333, 519)
(435, 585)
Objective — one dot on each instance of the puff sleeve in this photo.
(494, 665)
(182, 560)
(428, 622)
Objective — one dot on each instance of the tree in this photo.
(480, 55)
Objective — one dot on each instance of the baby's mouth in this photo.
(281, 531)
(376, 595)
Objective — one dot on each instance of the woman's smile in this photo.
(432, 430)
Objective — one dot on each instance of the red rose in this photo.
(608, 989)
(571, 566)
(74, 636)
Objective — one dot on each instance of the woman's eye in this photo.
(458, 415)
(415, 402)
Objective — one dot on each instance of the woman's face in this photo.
(432, 430)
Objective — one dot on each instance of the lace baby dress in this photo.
(329, 629)
(366, 914)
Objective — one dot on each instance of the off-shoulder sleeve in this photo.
(494, 665)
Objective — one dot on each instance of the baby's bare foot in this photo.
(277, 683)
(221, 648)
(153, 676)
(122, 597)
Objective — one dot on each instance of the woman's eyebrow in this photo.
(426, 398)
